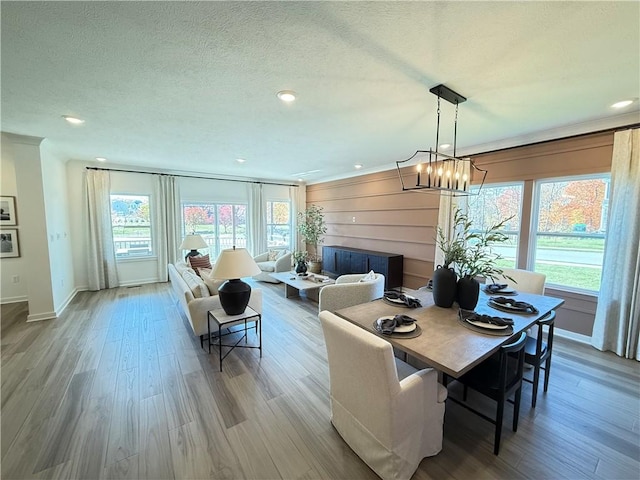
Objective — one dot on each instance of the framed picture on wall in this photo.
(9, 246)
(8, 211)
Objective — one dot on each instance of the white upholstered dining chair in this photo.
(526, 281)
(391, 424)
(350, 290)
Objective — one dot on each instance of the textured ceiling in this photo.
(191, 86)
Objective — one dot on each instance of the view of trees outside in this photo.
(221, 225)
(493, 205)
(279, 224)
(131, 225)
(569, 222)
(570, 232)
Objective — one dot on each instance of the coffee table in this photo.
(293, 285)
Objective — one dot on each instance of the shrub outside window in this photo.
(131, 226)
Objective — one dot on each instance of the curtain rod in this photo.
(194, 176)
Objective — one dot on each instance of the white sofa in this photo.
(280, 264)
(349, 290)
(195, 299)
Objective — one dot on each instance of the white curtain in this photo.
(258, 220)
(167, 223)
(102, 269)
(448, 204)
(617, 323)
(298, 197)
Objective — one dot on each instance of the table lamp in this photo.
(233, 264)
(193, 243)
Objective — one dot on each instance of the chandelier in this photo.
(436, 171)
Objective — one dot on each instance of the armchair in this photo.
(282, 263)
(349, 290)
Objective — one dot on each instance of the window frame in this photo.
(516, 183)
(152, 247)
(535, 218)
(290, 224)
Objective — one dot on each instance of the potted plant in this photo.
(311, 227)
(467, 255)
(444, 280)
(300, 259)
(477, 260)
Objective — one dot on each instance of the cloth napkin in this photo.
(495, 287)
(408, 301)
(515, 305)
(478, 317)
(388, 325)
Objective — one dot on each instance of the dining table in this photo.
(445, 342)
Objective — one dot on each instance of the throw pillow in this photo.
(273, 255)
(200, 262)
(212, 284)
(369, 277)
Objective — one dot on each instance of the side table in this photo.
(220, 318)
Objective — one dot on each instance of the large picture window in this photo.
(221, 225)
(279, 224)
(490, 206)
(570, 229)
(131, 225)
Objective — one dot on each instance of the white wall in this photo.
(57, 210)
(10, 268)
(24, 152)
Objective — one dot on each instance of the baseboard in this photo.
(67, 301)
(38, 317)
(576, 337)
(21, 298)
(139, 282)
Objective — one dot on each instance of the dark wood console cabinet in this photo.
(338, 261)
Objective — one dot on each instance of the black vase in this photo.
(444, 286)
(468, 293)
(301, 267)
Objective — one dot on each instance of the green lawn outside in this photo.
(573, 243)
(570, 276)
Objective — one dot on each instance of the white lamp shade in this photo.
(193, 242)
(235, 263)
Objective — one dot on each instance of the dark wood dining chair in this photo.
(538, 352)
(498, 378)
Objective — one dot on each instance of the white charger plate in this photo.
(489, 326)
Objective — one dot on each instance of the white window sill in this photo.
(137, 259)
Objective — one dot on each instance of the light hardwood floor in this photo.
(118, 387)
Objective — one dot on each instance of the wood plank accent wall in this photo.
(389, 220)
(386, 219)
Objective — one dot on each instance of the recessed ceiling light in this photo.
(358, 166)
(444, 146)
(286, 95)
(240, 160)
(622, 104)
(101, 159)
(73, 120)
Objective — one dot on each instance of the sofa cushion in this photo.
(273, 255)
(267, 266)
(200, 262)
(182, 267)
(212, 284)
(197, 286)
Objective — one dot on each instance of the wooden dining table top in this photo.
(445, 344)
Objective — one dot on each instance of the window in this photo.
(221, 225)
(131, 225)
(569, 226)
(279, 224)
(493, 204)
